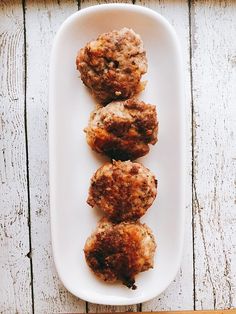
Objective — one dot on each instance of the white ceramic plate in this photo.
(72, 163)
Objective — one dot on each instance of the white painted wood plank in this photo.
(15, 278)
(179, 295)
(96, 308)
(89, 3)
(42, 21)
(214, 94)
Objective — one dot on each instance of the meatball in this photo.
(123, 129)
(112, 66)
(119, 252)
(123, 190)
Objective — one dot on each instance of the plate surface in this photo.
(72, 163)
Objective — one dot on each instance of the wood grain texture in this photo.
(15, 281)
(179, 295)
(214, 94)
(89, 3)
(43, 19)
(213, 33)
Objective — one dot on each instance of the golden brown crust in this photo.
(123, 130)
(123, 190)
(120, 252)
(112, 66)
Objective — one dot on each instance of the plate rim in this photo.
(86, 11)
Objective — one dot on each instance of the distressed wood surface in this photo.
(179, 295)
(42, 20)
(208, 36)
(214, 95)
(89, 3)
(15, 278)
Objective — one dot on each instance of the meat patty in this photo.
(123, 129)
(123, 190)
(119, 252)
(112, 65)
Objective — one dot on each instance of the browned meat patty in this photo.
(119, 252)
(123, 190)
(112, 66)
(123, 129)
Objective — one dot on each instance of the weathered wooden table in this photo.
(207, 278)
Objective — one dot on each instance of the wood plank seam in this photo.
(213, 175)
(192, 120)
(15, 280)
(196, 208)
(29, 255)
(43, 19)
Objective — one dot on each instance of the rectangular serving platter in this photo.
(72, 162)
